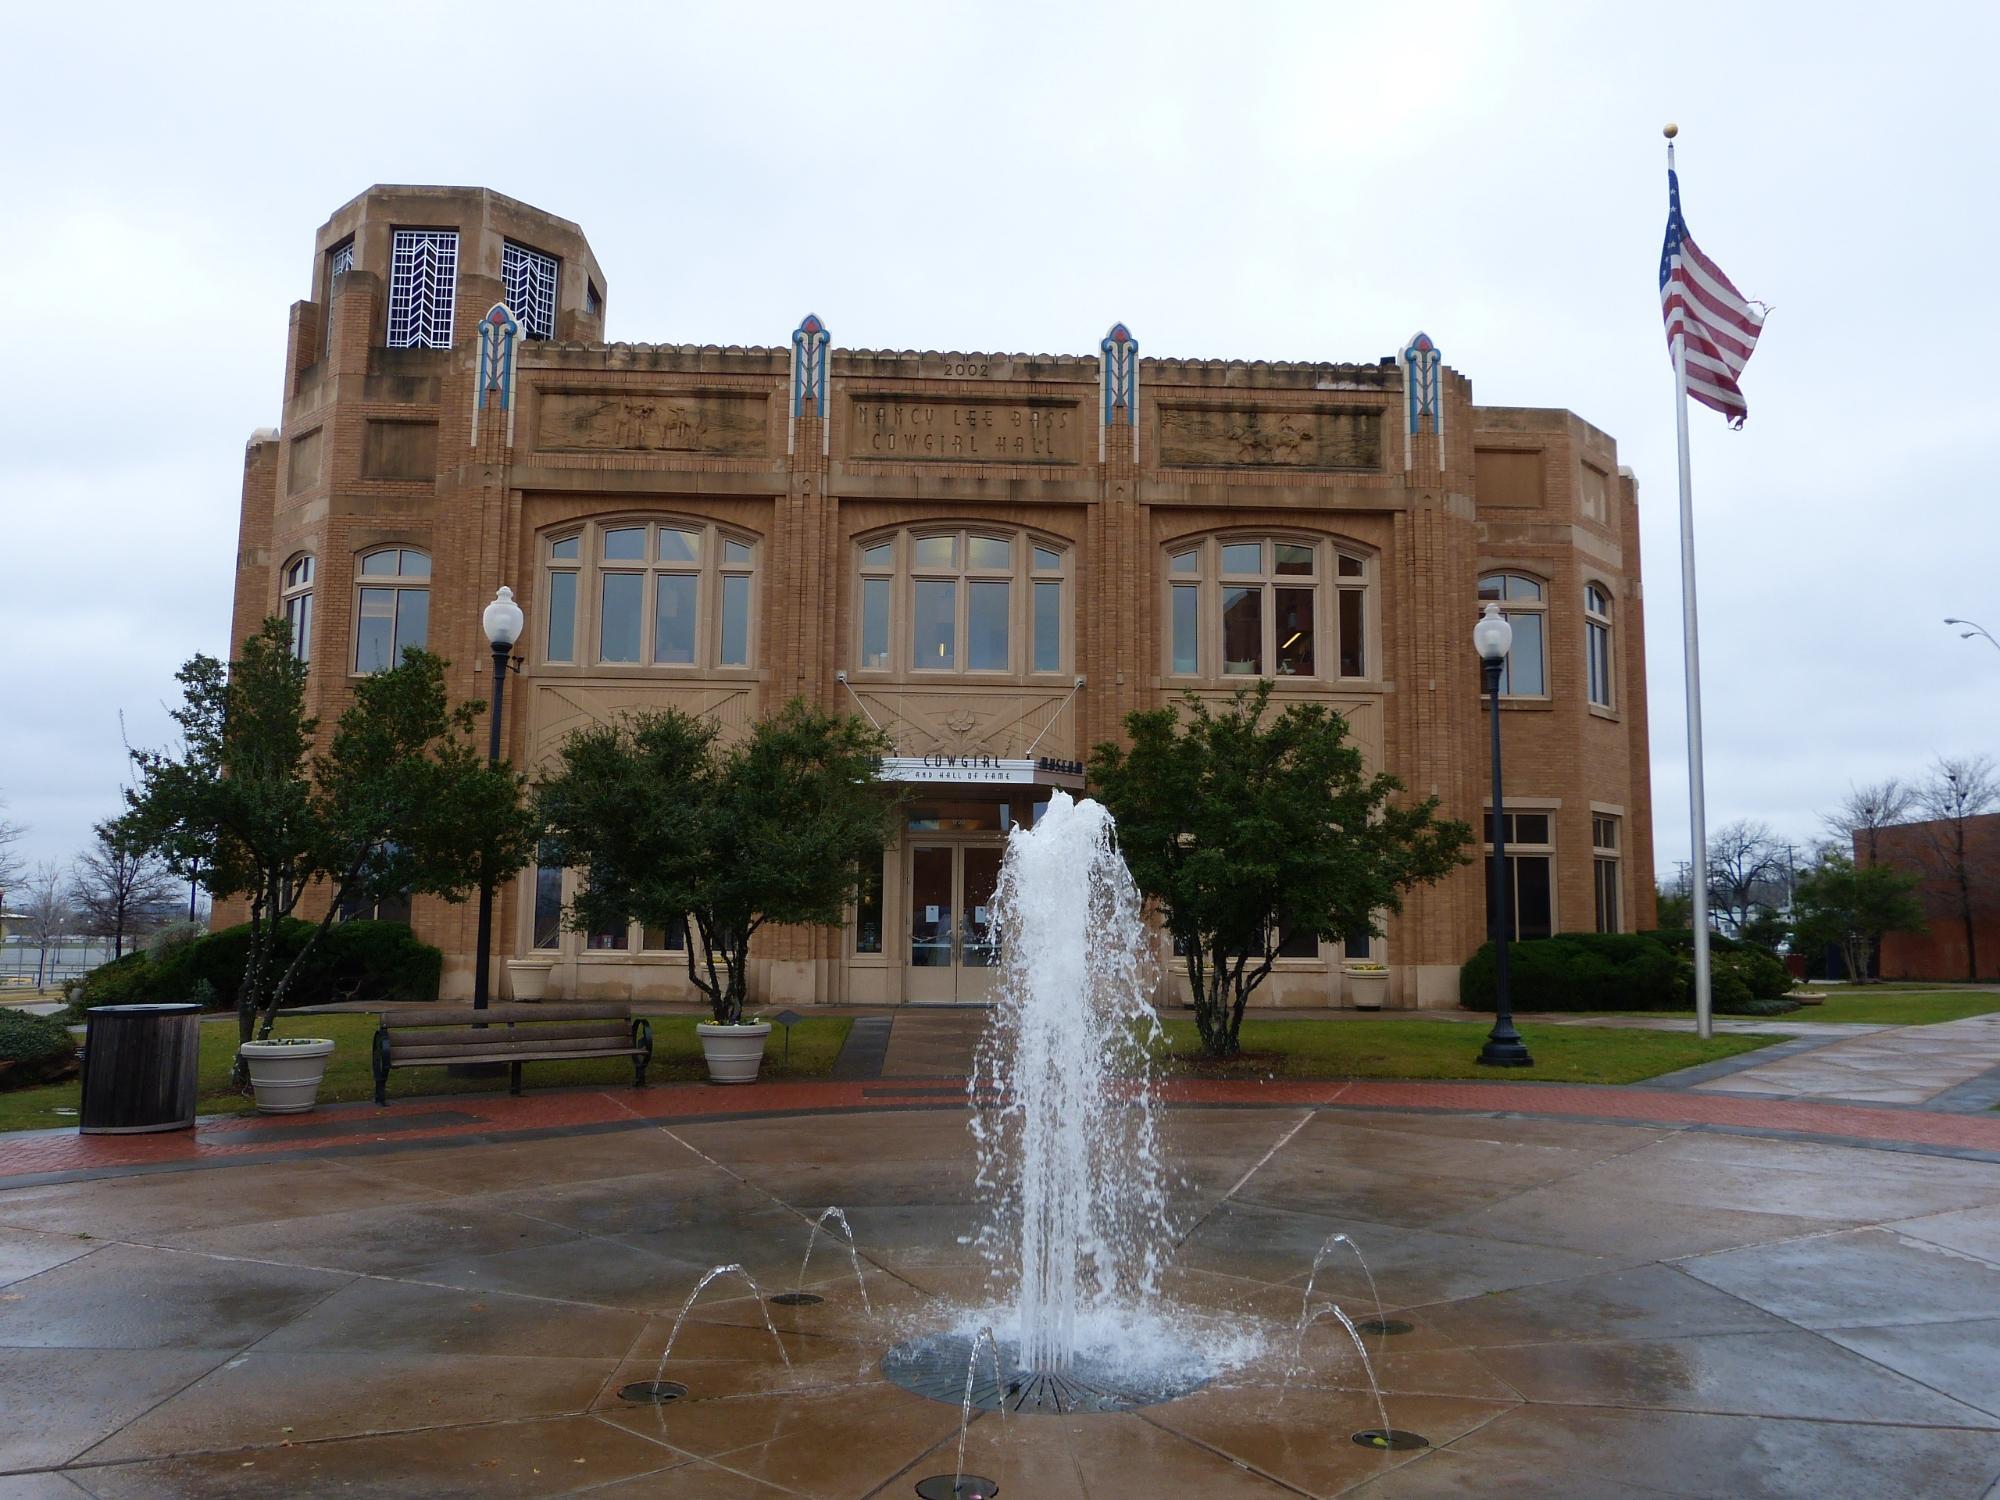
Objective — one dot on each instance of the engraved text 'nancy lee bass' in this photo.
(993, 432)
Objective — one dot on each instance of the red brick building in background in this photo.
(993, 556)
(1945, 949)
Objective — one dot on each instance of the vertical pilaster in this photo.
(1118, 560)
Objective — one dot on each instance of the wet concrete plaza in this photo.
(1595, 1309)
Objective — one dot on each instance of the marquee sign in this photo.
(981, 770)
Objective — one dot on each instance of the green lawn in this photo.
(1448, 1049)
(1877, 1004)
(816, 1042)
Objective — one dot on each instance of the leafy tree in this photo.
(398, 801)
(1676, 906)
(1231, 820)
(664, 822)
(1960, 867)
(1853, 906)
(121, 892)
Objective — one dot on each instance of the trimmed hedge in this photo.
(34, 1049)
(1626, 971)
(374, 962)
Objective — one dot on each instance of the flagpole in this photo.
(1704, 1023)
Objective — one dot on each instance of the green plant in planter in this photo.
(663, 823)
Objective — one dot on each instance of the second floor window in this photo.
(394, 607)
(973, 602)
(298, 604)
(1523, 602)
(666, 593)
(423, 284)
(1278, 607)
(528, 278)
(1597, 643)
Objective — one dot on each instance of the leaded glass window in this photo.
(529, 278)
(423, 284)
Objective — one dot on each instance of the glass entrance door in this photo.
(952, 954)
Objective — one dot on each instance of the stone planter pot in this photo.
(734, 1053)
(528, 978)
(285, 1072)
(1367, 989)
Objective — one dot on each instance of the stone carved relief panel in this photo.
(558, 708)
(1324, 438)
(708, 422)
(997, 722)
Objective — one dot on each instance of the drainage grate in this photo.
(652, 1392)
(1384, 1325)
(964, 1487)
(1390, 1438)
(934, 1367)
(797, 1299)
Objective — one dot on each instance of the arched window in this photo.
(1524, 603)
(1597, 642)
(660, 593)
(393, 611)
(983, 601)
(1267, 606)
(297, 604)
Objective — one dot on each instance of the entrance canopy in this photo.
(981, 770)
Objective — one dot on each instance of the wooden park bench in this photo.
(435, 1036)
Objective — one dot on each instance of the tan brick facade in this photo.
(1057, 568)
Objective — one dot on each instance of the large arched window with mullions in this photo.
(1278, 606)
(1524, 601)
(975, 601)
(659, 592)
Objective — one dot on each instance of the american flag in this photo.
(1700, 304)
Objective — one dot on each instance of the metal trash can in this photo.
(140, 1068)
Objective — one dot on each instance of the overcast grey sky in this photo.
(1309, 182)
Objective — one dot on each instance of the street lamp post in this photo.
(1976, 629)
(1492, 638)
(503, 620)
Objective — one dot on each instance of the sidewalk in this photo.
(1887, 1065)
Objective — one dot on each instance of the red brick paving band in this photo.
(474, 1119)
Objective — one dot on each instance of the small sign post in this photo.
(788, 1019)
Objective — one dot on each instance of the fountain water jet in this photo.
(798, 1295)
(687, 1307)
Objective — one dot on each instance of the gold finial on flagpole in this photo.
(1671, 130)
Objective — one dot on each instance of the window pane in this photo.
(1607, 895)
(935, 551)
(1535, 913)
(986, 626)
(416, 565)
(1048, 627)
(735, 552)
(1600, 664)
(1352, 567)
(616, 939)
(877, 556)
(377, 564)
(413, 620)
(562, 616)
(1242, 632)
(618, 612)
(989, 552)
(569, 546)
(1529, 828)
(669, 939)
(1186, 562)
(375, 630)
(548, 907)
(1356, 943)
(1243, 557)
(1353, 634)
(933, 634)
(1524, 673)
(1593, 599)
(1295, 941)
(674, 617)
(1522, 588)
(626, 544)
(1293, 558)
(736, 620)
(1186, 616)
(679, 546)
(298, 615)
(1490, 587)
(875, 621)
(1295, 632)
(1047, 561)
(868, 909)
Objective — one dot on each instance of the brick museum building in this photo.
(994, 557)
